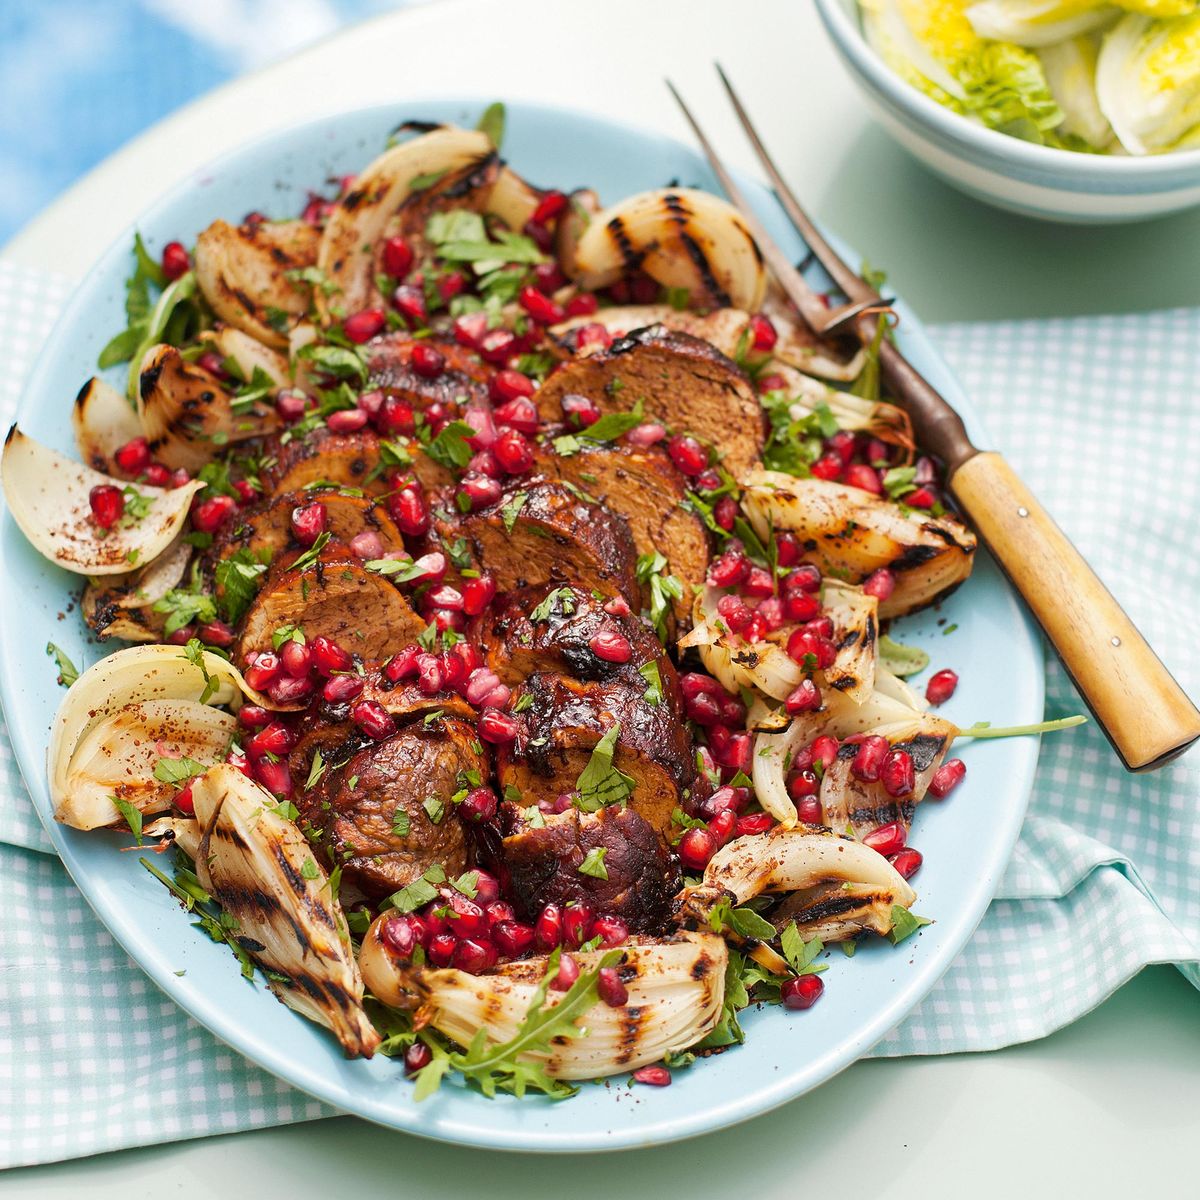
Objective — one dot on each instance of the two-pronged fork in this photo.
(1146, 715)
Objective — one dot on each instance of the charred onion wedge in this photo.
(103, 420)
(123, 605)
(676, 989)
(47, 494)
(260, 868)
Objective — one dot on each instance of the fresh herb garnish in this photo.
(67, 670)
(600, 783)
(650, 673)
(132, 815)
(593, 863)
(651, 570)
(904, 924)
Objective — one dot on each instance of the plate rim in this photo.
(738, 1106)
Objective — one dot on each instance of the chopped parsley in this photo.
(511, 510)
(650, 673)
(68, 672)
(904, 924)
(132, 815)
(600, 783)
(593, 863)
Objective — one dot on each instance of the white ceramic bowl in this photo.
(1038, 181)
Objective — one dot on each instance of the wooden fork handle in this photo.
(1145, 713)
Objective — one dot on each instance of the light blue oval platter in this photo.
(966, 840)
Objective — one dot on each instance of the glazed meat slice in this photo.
(561, 721)
(385, 809)
(552, 629)
(682, 381)
(265, 530)
(644, 487)
(348, 460)
(335, 598)
(463, 379)
(543, 867)
(541, 532)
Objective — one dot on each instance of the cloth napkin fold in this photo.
(1095, 414)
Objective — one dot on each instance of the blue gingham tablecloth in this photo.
(1101, 884)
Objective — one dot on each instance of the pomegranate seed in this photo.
(549, 207)
(709, 480)
(548, 278)
(410, 512)
(427, 361)
(801, 606)
(703, 709)
(209, 515)
(824, 750)
(398, 936)
(341, 689)
(805, 642)
(445, 596)
(805, 578)
(868, 759)
(107, 503)
(695, 848)
(688, 455)
(771, 383)
(923, 497)
(726, 799)
(180, 477)
(725, 512)
(867, 478)
(429, 674)
(409, 301)
(480, 683)
(738, 755)
(441, 949)
(722, 826)
(520, 414)
(308, 522)
(806, 698)
(175, 261)
(362, 326)
(274, 776)
(253, 716)
(247, 493)
(728, 569)
(328, 656)
(291, 405)
(373, 719)
(648, 434)
(941, 687)
(842, 444)
(887, 839)
(479, 804)
(822, 627)
(240, 761)
(695, 683)
(541, 308)
(828, 466)
(802, 992)
(497, 346)
(611, 931)
(508, 385)
(568, 972)
(296, 659)
(582, 305)
(734, 611)
(396, 416)
(907, 861)
(898, 774)
(157, 475)
(418, 1056)
(474, 956)
(733, 712)
(496, 727)
(288, 689)
(477, 594)
(610, 646)
(485, 463)
(512, 938)
(468, 918)
(397, 257)
(579, 411)
(654, 1076)
(366, 545)
(759, 583)
(216, 633)
(802, 782)
(763, 332)
(347, 420)
(610, 989)
(548, 929)
(469, 329)
(595, 334)
(808, 810)
(880, 584)
(275, 738)
(577, 924)
(133, 457)
(753, 824)
(262, 671)
(479, 490)
(513, 452)
(947, 777)
(184, 801)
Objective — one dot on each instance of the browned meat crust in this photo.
(464, 380)
(682, 381)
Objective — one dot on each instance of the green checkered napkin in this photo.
(1098, 414)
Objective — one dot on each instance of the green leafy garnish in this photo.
(450, 447)
(312, 554)
(492, 123)
(401, 822)
(593, 863)
(561, 598)
(237, 579)
(900, 659)
(68, 672)
(600, 783)
(132, 815)
(178, 771)
(983, 729)
(800, 955)
(650, 673)
(904, 924)
(745, 922)
(663, 588)
(607, 429)
(418, 893)
(511, 510)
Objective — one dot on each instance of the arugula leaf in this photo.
(173, 319)
(492, 123)
(593, 863)
(600, 783)
(132, 815)
(745, 922)
(68, 672)
(900, 659)
(258, 387)
(653, 694)
(450, 447)
(727, 1031)
(799, 953)
(904, 924)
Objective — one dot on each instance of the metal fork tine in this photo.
(848, 280)
(811, 306)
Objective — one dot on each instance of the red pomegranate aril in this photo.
(549, 207)
(592, 335)
(801, 606)
(577, 924)
(328, 656)
(441, 949)
(821, 627)
(429, 674)
(296, 658)
(582, 305)
(709, 480)
(738, 754)
(507, 385)
(752, 824)
(947, 777)
(898, 774)
(842, 444)
(648, 434)
(907, 861)
(568, 972)
(275, 738)
(880, 584)
(923, 497)
(107, 504)
(548, 278)
(803, 782)
(762, 332)
(362, 326)
(887, 839)
(181, 636)
(828, 467)
(696, 847)
(734, 611)
(497, 727)
(725, 513)
(496, 346)
(180, 477)
(474, 956)
(478, 805)
(611, 931)
(254, 716)
(184, 801)
(445, 596)
(653, 1076)
(288, 689)
(520, 414)
(209, 515)
(726, 799)
(341, 689)
(805, 642)
(216, 633)
(869, 757)
(771, 613)
(274, 776)
(861, 476)
(427, 361)
(262, 671)
(373, 719)
(688, 455)
(805, 698)
(759, 583)
(824, 750)
(479, 490)
(610, 646)
(703, 708)
(247, 492)
(241, 762)
(729, 569)
(487, 893)
(770, 383)
(808, 810)
(484, 463)
(805, 578)
(175, 261)
(409, 301)
(610, 989)
(347, 420)
(579, 411)
(397, 257)
(410, 512)
(418, 1056)
(695, 683)
(788, 550)
(308, 522)
(366, 545)
(548, 929)
(467, 918)
(541, 308)
(802, 992)
(480, 682)
(512, 938)
(722, 826)
(291, 404)
(133, 457)
(396, 416)
(941, 686)
(157, 475)
(469, 329)
(398, 936)
(513, 452)
(477, 594)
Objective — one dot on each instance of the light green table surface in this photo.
(1105, 1108)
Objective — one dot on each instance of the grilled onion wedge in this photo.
(676, 989)
(103, 420)
(122, 606)
(261, 870)
(854, 533)
(47, 494)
